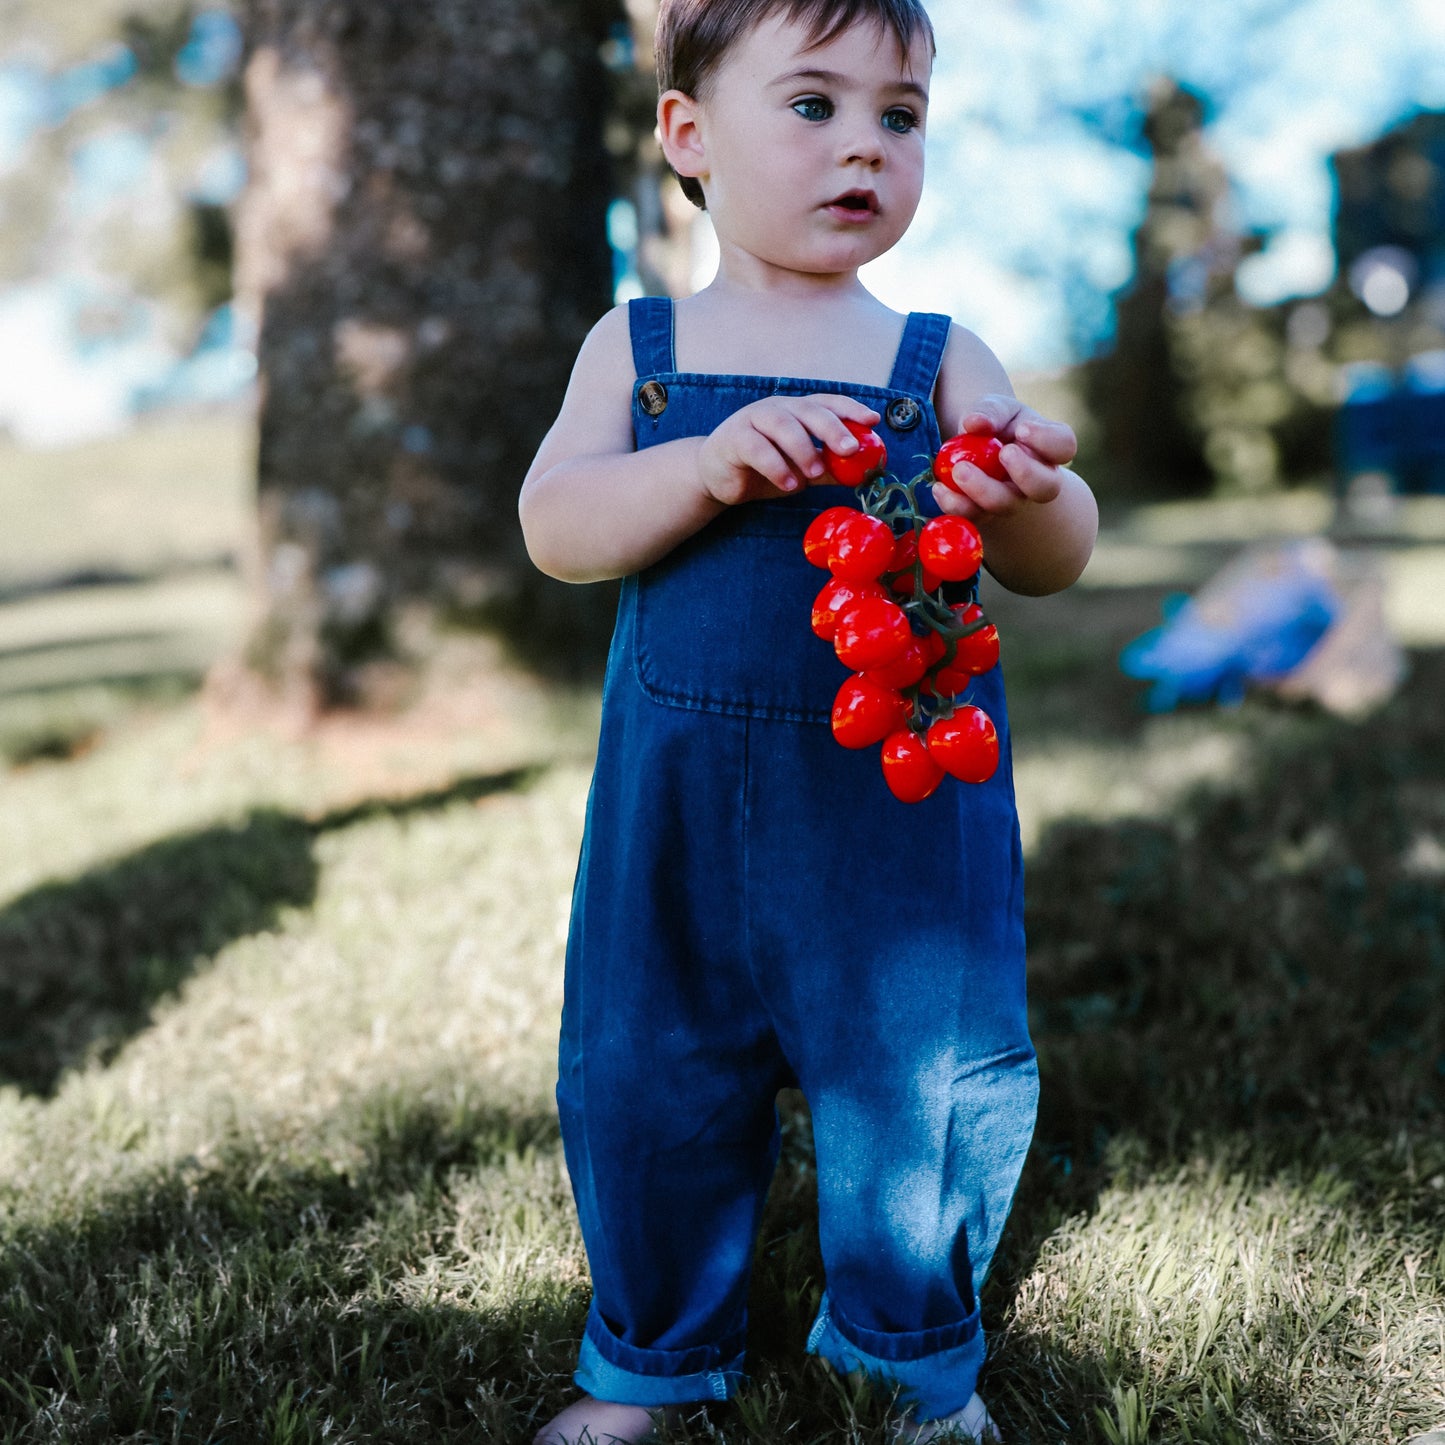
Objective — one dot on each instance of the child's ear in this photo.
(680, 133)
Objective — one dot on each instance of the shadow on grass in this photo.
(259, 1295)
(1256, 979)
(412, 1276)
(83, 961)
(1260, 976)
(60, 646)
(83, 578)
(1269, 956)
(1260, 973)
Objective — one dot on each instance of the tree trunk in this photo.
(1183, 254)
(423, 241)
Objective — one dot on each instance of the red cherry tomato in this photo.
(820, 533)
(871, 633)
(978, 651)
(910, 771)
(965, 745)
(982, 451)
(837, 596)
(905, 669)
(948, 682)
(871, 457)
(860, 547)
(905, 554)
(952, 547)
(865, 712)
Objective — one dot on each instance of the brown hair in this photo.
(694, 35)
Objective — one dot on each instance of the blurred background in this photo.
(289, 292)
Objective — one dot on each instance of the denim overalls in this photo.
(754, 910)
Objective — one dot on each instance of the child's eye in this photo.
(900, 119)
(813, 107)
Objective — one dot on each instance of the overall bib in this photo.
(754, 910)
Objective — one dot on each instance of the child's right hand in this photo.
(768, 447)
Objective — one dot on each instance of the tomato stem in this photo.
(895, 502)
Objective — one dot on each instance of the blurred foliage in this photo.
(69, 32)
(156, 236)
(1203, 391)
(1392, 193)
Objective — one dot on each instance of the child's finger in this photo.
(993, 413)
(825, 424)
(759, 453)
(987, 493)
(843, 408)
(794, 441)
(1036, 480)
(1008, 419)
(1054, 441)
(957, 504)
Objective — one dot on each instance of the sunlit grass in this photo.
(173, 491)
(313, 1189)
(279, 1156)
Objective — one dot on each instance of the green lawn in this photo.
(278, 1154)
(119, 579)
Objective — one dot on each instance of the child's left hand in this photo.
(1034, 454)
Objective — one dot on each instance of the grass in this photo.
(118, 576)
(278, 1154)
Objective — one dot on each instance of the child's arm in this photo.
(592, 506)
(1039, 527)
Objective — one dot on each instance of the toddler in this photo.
(753, 910)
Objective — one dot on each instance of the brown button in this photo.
(903, 414)
(653, 396)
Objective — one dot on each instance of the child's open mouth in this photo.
(853, 206)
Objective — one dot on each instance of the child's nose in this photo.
(864, 144)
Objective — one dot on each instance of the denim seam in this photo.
(925, 335)
(920, 353)
(619, 1354)
(708, 1381)
(672, 697)
(651, 341)
(928, 1380)
(588, 1184)
(820, 1327)
(969, 1329)
(749, 956)
(773, 385)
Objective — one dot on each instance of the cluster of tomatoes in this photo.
(910, 653)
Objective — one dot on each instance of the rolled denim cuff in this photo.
(934, 1370)
(611, 1369)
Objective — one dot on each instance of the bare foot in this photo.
(972, 1423)
(601, 1422)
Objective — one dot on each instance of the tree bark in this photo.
(423, 241)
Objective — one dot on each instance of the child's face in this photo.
(813, 157)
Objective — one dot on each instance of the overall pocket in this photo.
(723, 622)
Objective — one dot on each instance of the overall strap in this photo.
(920, 354)
(650, 318)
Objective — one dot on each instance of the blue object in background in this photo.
(1255, 623)
(1394, 426)
(84, 84)
(1367, 425)
(1422, 423)
(212, 52)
